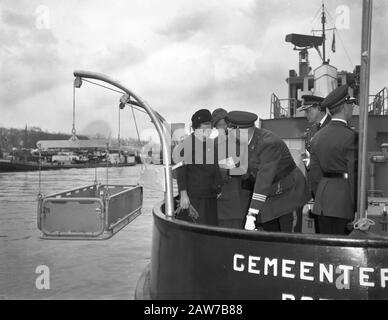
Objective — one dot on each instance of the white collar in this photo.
(341, 120)
(249, 142)
(323, 119)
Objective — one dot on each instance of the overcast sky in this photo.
(178, 55)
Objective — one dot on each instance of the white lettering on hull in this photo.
(310, 271)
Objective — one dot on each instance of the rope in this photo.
(117, 91)
(140, 110)
(119, 131)
(363, 224)
(137, 129)
(138, 135)
(95, 171)
(107, 166)
(316, 15)
(102, 86)
(132, 107)
(40, 195)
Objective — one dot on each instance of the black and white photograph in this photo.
(207, 150)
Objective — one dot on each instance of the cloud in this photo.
(179, 55)
(17, 19)
(122, 56)
(185, 25)
(30, 59)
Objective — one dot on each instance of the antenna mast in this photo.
(323, 20)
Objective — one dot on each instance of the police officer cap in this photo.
(310, 101)
(218, 115)
(337, 97)
(241, 119)
(201, 116)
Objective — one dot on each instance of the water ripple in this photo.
(78, 269)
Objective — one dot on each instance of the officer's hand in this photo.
(250, 223)
(185, 201)
(193, 213)
(227, 163)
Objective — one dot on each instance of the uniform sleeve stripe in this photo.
(260, 195)
(259, 199)
(256, 197)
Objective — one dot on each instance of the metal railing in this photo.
(278, 111)
(378, 103)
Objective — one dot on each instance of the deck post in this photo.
(364, 94)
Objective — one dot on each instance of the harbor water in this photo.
(78, 269)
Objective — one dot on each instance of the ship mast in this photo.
(323, 20)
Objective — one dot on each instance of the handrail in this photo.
(282, 112)
(157, 121)
(379, 105)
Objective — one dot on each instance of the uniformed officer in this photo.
(229, 206)
(199, 179)
(334, 157)
(319, 118)
(274, 184)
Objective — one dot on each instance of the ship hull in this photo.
(19, 166)
(197, 262)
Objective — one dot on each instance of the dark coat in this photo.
(229, 203)
(279, 186)
(310, 132)
(335, 150)
(314, 176)
(199, 179)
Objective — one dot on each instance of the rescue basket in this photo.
(93, 212)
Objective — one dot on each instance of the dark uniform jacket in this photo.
(199, 179)
(310, 132)
(334, 151)
(229, 203)
(279, 186)
(313, 176)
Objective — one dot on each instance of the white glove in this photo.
(250, 224)
(227, 164)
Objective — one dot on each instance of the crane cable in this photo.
(133, 114)
(73, 130)
(40, 195)
(143, 163)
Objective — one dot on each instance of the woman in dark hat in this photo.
(229, 208)
(199, 180)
